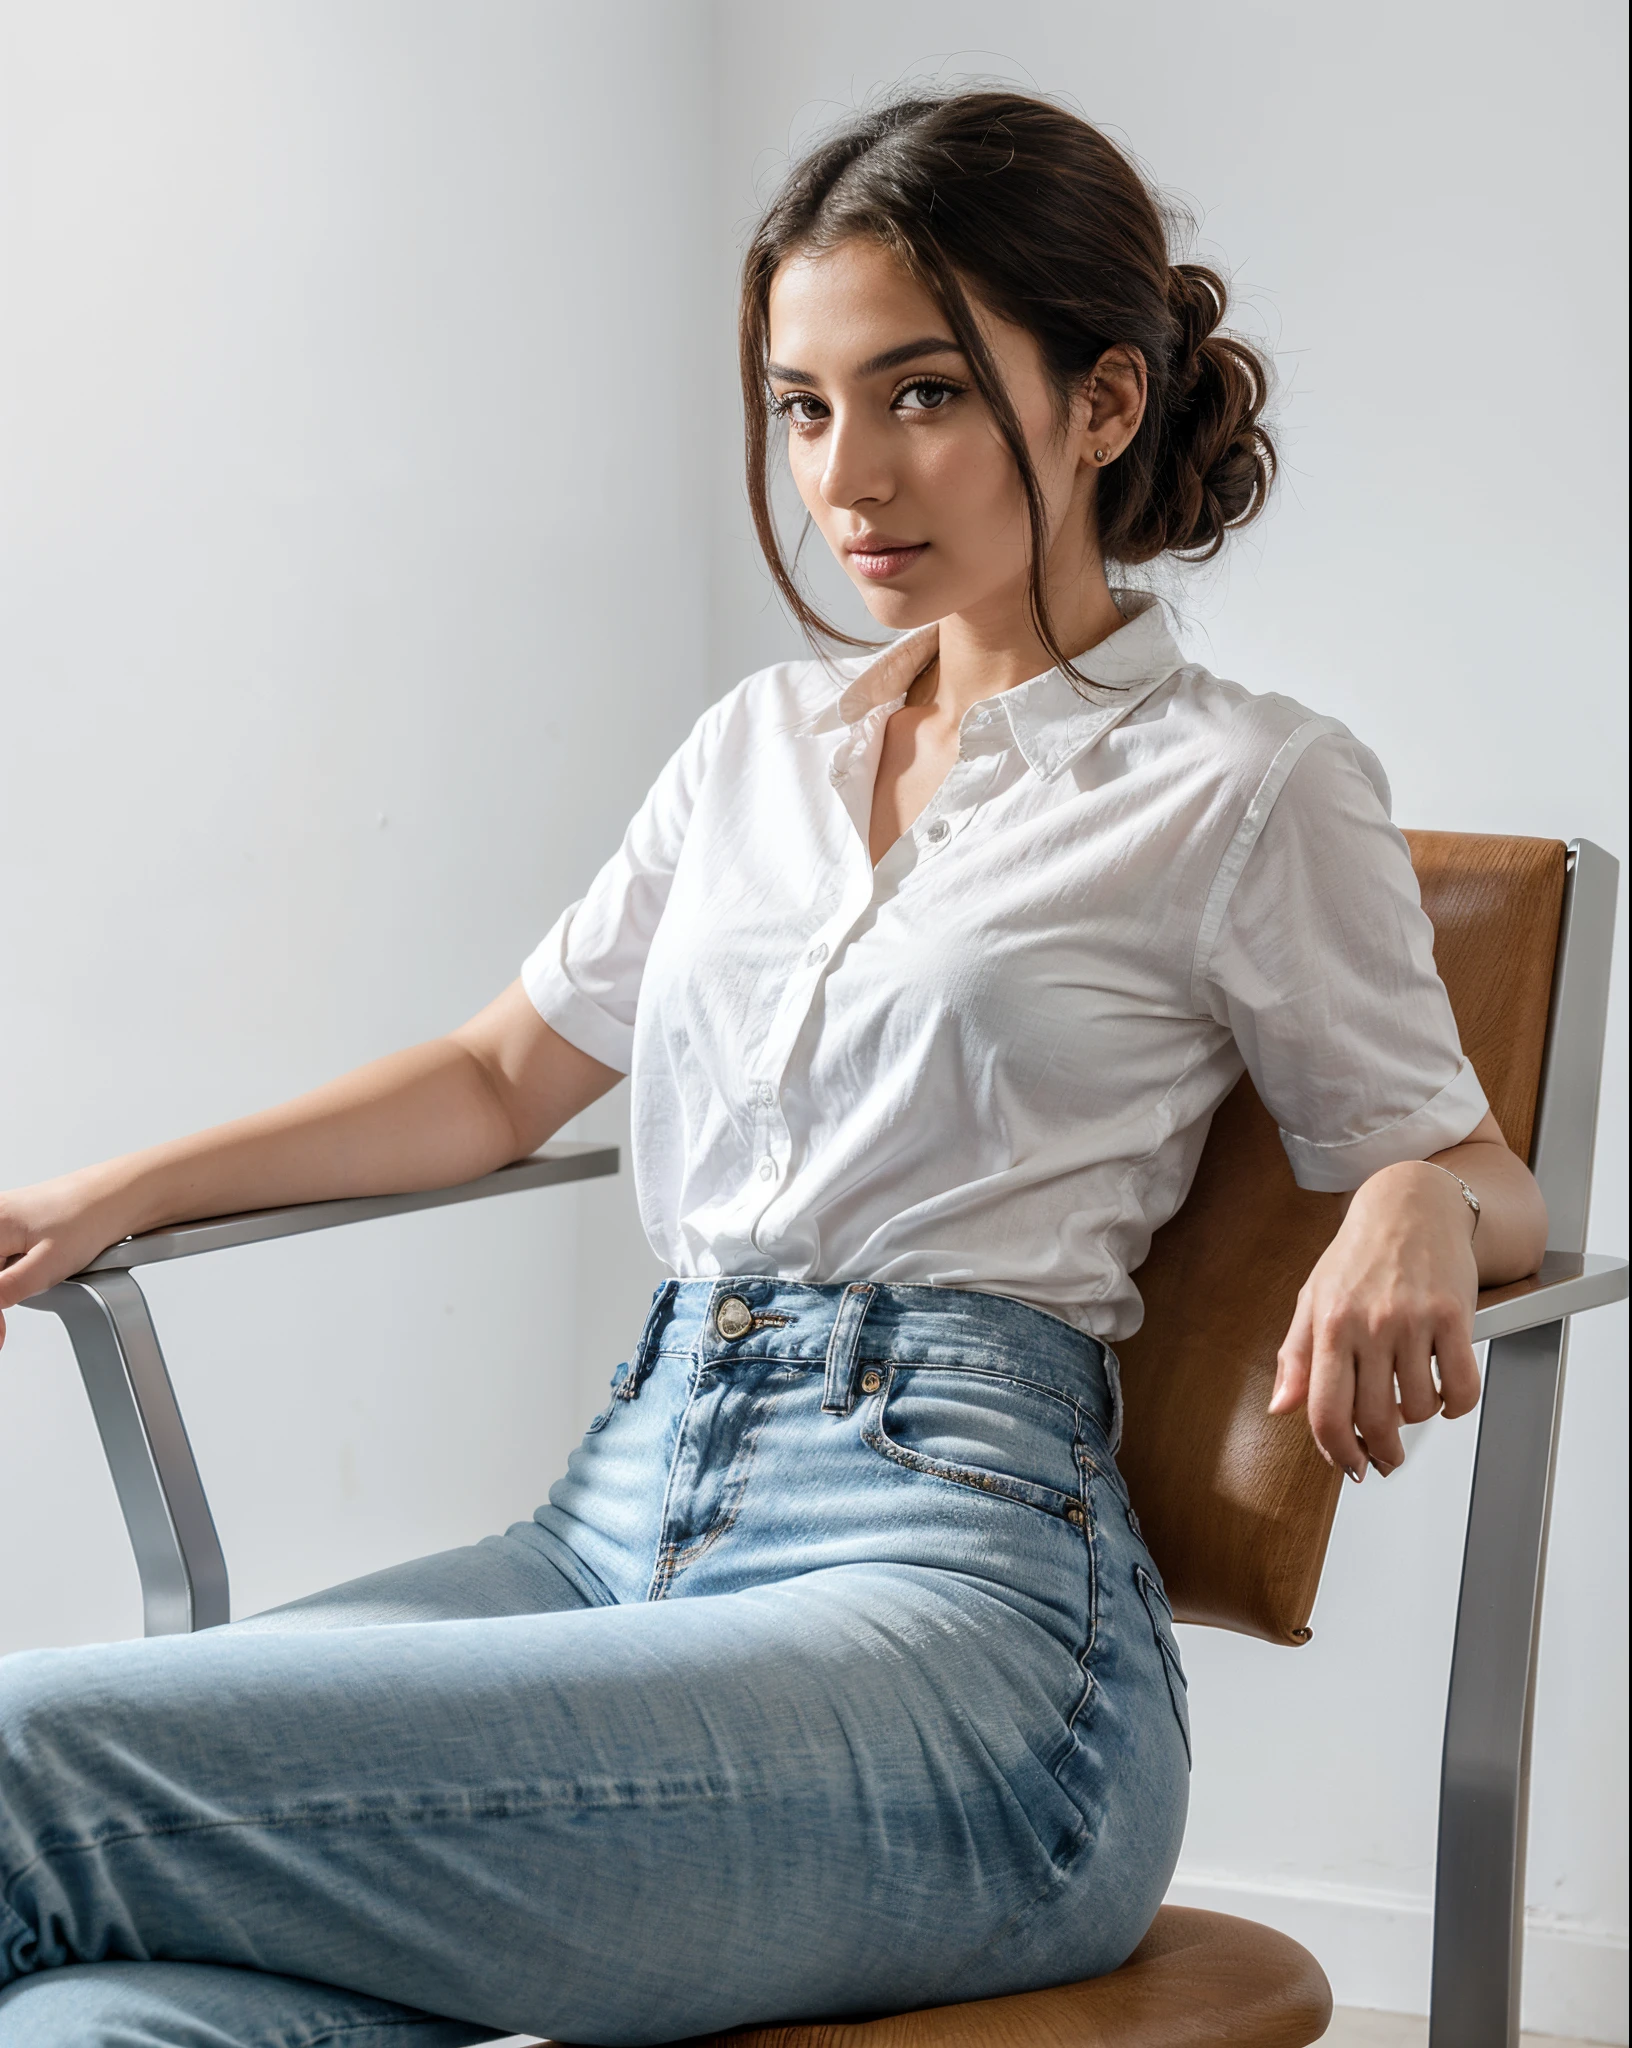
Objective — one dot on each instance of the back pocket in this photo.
(1161, 1622)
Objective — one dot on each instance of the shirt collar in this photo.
(1053, 719)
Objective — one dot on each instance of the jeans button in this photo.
(871, 1382)
(733, 1318)
(1074, 1517)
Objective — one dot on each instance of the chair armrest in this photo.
(1568, 1283)
(178, 1554)
(563, 1160)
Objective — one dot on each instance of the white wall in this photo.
(353, 592)
(1422, 204)
(372, 528)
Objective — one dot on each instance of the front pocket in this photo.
(1161, 1622)
(996, 1435)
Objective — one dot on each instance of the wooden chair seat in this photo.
(1197, 1980)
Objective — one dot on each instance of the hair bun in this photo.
(1196, 296)
(1217, 460)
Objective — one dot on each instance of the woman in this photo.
(834, 1675)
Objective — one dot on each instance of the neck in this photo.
(992, 648)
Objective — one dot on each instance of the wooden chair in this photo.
(1236, 1505)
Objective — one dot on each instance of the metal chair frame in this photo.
(1485, 1775)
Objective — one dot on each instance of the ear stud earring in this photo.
(1100, 454)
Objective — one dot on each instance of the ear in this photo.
(1111, 405)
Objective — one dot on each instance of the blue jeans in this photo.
(834, 1677)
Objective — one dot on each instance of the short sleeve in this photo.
(1319, 957)
(584, 976)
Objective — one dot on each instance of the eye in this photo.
(798, 408)
(926, 394)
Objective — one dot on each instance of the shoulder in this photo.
(1257, 747)
(787, 698)
(792, 694)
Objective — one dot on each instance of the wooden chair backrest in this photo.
(1237, 1505)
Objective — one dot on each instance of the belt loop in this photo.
(839, 1392)
(646, 1350)
(1113, 1375)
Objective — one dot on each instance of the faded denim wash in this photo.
(833, 1677)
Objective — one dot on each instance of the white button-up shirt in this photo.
(991, 1061)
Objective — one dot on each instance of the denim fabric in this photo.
(834, 1677)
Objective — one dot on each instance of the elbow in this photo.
(502, 1136)
(1522, 1237)
(1537, 1221)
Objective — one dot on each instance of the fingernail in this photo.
(1355, 1472)
(1378, 1467)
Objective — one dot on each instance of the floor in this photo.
(1351, 2029)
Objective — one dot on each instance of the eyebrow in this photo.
(890, 359)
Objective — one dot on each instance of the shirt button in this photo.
(765, 1095)
(937, 832)
(817, 954)
(767, 1169)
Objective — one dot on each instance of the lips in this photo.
(879, 557)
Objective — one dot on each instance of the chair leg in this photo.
(178, 1555)
(1485, 1779)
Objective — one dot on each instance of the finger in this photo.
(1419, 1392)
(1376, 1411)
(25, 1276)
(1458, 1369)
(1331, 1400)
(1292, 1361)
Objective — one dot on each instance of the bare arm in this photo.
(446, 1111)
(1394, 1292)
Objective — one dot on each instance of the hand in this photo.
(1393, 1291)
(51, 1230)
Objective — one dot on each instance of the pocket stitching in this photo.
(1178, 1686)
(1090, 1530)
(1043, 1500)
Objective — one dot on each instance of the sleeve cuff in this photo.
(1444, 1120)
(565, 1008)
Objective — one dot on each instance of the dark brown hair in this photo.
(1020, 205)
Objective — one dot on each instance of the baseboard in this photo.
(1374, 1946)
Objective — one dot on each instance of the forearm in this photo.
(1392, 1298)
(421, 1118)
(1512, 1229)
(440, 1113)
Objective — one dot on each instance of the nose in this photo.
(857, 470)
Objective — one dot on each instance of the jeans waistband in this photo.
(843, 1328)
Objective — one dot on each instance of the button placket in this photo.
(956, 801)
(771, 1143)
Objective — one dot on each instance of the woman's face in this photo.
(893, 451)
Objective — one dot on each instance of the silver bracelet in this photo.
(1468, 1195)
